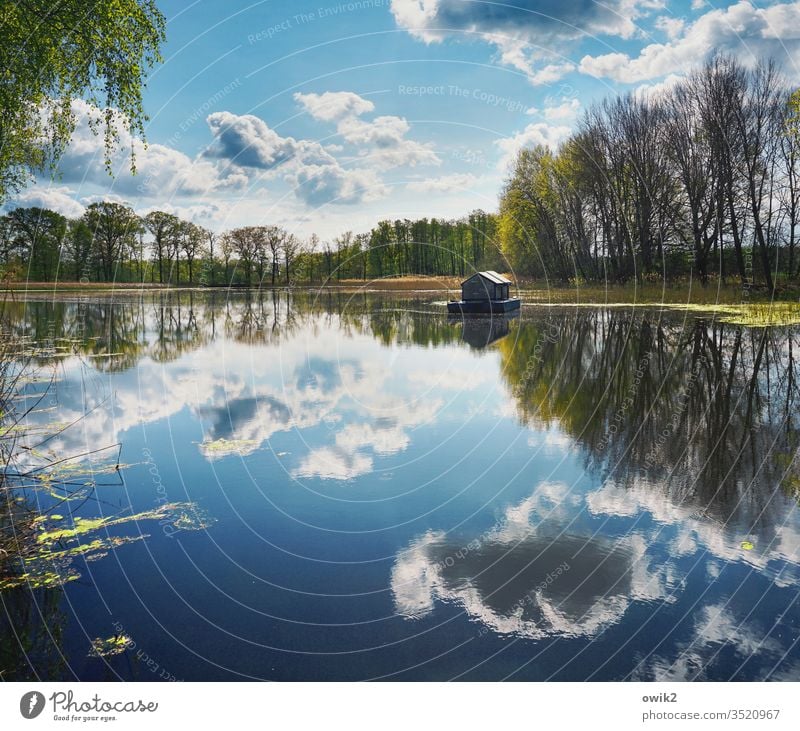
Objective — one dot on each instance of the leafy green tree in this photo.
(54, 52)
(246, 242)
(192, 241)
(78, 248)
(523, 211)
(163, 227)
(37, 237)
(114, 229)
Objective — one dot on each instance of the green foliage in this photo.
(49, 559)
(114, 228)
(433, 246)
(35, 237)
(110, 646)
(53, 53)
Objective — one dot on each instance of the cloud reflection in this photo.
(525, 577)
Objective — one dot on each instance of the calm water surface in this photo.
(355, 487)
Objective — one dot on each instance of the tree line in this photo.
(702, 179)
(110, 242)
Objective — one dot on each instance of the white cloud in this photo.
(523, 35)
(538, 133)
(567, 109)
(671, 27)
(87, 200)
(550, 73)
(334, 105)
(653, 91)
(56, 198)
(316, 176)
(161, 171)
(381, 142)
(444, 184)
(202, 212)
(385, 131)
(742, 29)
(248, 141)
(523, 58)
(318, 185)
(546, 20)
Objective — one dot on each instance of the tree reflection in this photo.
(116, 333)
(706, 409)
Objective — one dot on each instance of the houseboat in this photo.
(483, 293)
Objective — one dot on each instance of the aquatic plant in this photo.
(40, 547)
(224, 447)
(110, 646)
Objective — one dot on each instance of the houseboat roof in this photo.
(491, 276)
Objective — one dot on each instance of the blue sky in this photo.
(325, 116)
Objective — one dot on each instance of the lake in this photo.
(351, 486)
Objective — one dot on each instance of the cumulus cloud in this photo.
(538, 133)
(532, 20)
(742, 29)
(318, 185)
(523, 31)
(565, 109)
(56, 198)
(381, 141)
(659, 89)
(384, 141)
(317, 177)
(334, 105)
(202, 212)
(161, 171)
(248, 141)
(671, 27)
(444, 184)
(550, 73)
(243, 151)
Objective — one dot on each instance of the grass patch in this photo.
(651, 294)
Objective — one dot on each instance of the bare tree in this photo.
(790, 154)
(758, 117)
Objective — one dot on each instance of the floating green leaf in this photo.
(223, 447)
(110, 646)
(61, 544)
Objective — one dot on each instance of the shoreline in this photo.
(531, 291)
